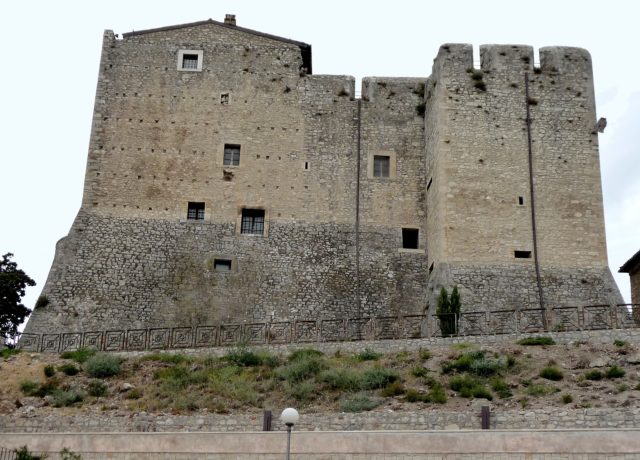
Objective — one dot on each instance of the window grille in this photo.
(189, 61)
(252, 222)
(195, 211)
(231, 155)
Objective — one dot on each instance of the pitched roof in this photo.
(305, 48)
(631, 265)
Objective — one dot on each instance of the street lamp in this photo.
(290, 417)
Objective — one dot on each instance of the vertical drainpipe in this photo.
(533, 203)
(358, 149)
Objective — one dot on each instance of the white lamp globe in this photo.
(290, 416)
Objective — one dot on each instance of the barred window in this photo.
(190, 61)
(231, 155)
(252, 222)
(195, 211)
(380, 166)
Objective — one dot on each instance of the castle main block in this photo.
(227, 183)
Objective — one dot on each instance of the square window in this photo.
(252, 222)
(224, 99)
(222, 265)
(380, 166)
(410, 238)
(190, 60)
(231, 155)
(195, 211)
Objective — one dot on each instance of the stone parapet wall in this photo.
(539, 419)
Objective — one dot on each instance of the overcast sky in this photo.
(51, 49)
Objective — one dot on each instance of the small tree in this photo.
(448, 311)
(13, 283)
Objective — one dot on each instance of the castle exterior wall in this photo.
(502, 208)
(342, 238)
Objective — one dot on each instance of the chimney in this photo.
(230, 19)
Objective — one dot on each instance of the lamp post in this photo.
(290, 417)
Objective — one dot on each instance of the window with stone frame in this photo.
(381, 166)
(252, 222)
(410, 238)
(231, 155)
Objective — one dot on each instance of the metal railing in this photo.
(472, 323)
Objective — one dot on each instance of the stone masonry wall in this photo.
(481, 175)
(332, 245)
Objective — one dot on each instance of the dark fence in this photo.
(472, 323)
(7, 454)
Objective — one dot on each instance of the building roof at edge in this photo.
(632, 264)
(305, 48)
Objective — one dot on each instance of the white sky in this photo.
(50, 52)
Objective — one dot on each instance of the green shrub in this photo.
(49, 370)
(97, 388)
(593, 374)
(615, 372)
(501, 388)
(9, 352)
(367, 355)
(63, 398)
(66, 454)
(305, 353)
(24, 454)
(622, 387)
(179, 377)
(243, 357)
(567, 398)
(469, 387)
(437, 394)
(378, 377)
(424, 354)
(412, 395)
(393, 389)
(419, 371)
(475, 362)
(537, 341)
(358, 403)
(620, 343)
(135, 393)
(103, 365)
(342, 379)
(302, 392)
(69, 369)
(304, 366)
(551, 373)
(80, 355)
(29, 387)
(538, 390)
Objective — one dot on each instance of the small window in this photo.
(306, 166)
(195, 211)
(224, 99)
(410, 238)
(522, 254)
(521, 200)
(222, 265)
(380, 166)
(429, 184)
(231, 155)
(252, 222)
(190, 60)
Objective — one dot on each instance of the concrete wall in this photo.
(486, 445)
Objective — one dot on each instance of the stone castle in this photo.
(226, 183)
